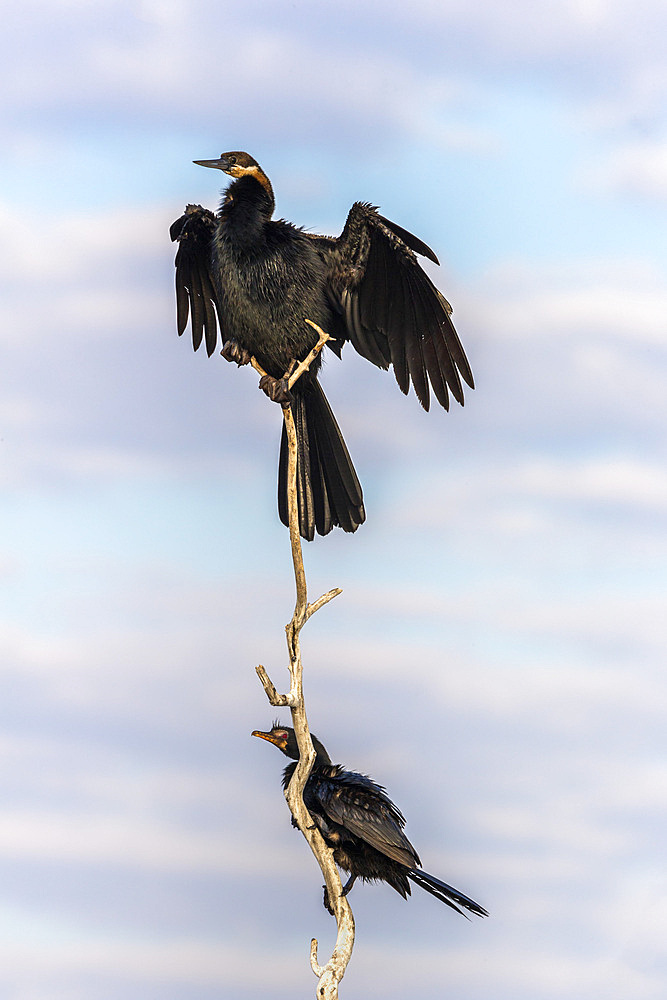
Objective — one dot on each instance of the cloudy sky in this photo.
(497, 658)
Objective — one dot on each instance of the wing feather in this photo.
(196, 299)
(415, 333)
(362, 807)
(392, 311)
(441, 369)
(410, 240)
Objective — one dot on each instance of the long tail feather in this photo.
(328, 491)
(445, 893)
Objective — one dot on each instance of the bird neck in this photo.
(322, 755)
(287, 773)
(322, 760)
(249, 196)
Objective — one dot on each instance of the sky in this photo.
(497, 656)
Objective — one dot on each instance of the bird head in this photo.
(284, 738)
(238, 164)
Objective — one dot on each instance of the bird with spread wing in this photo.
(257, 280)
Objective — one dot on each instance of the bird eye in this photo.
(232, 160)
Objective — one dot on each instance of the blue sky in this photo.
(497, 658)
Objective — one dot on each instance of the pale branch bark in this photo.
(330, 974)
(307, 362)
(296, 370)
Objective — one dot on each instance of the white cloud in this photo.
(637, 105)
(169, 62)
(520, 585)
(543, 510)
(621, 479)
(89, 274)
(639, 168)
(527, 967)
(582, 299)
(82, 838)
(190, 963)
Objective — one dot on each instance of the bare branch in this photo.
(301, 606)
(333, 971)
(295, 372)
(321, 601)
(275, 699)
(256, 365)
(307, 362)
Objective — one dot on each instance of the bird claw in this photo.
(348, 885)
(326, 902)
(276, 389)
(232, 351)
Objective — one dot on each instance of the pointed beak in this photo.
(220, 164)
(266, 736)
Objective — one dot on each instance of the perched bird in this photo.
(359, 821)
(264, 278)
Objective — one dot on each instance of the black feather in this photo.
(258, 280)
(363, 826)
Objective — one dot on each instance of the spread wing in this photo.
(195, 291)
(393, 312)
(362, 807)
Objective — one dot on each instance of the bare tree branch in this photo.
(330, 974)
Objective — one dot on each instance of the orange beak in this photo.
(270, 738)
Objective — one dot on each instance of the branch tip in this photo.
(275, 699)
(321, 601)
(314, 964)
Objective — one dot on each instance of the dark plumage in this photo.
(263, 278)
(359, 821)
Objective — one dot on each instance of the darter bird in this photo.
(259, 279)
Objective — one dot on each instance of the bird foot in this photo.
(348, 885)
(276, 389)
(326, 902)
(232, 351)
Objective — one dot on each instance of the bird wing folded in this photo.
(393, 312)
(362, 807)
(195, 291)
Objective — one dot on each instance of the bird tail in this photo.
(445, 893)
(328, 490)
